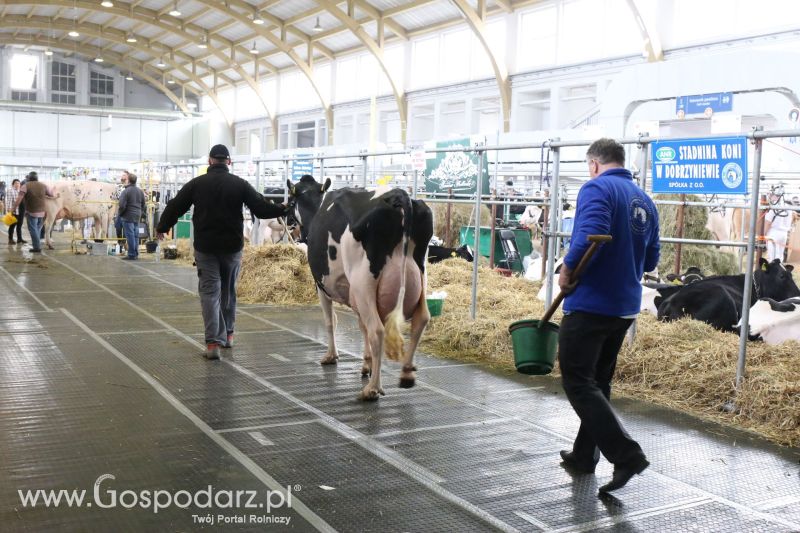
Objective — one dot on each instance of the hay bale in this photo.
(711, 260)
(686, 364)
(276, 274)
(460, 215)
(185, 252)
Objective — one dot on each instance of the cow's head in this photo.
(305, 197)
(775, 280)
(465, 252)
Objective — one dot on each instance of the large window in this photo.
(24, 74)
(62, 83)
(101, 89)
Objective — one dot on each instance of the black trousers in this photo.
(587, 355)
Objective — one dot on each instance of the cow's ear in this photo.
(789, 268)
(764, 264)
(327, 185)
(290, 186)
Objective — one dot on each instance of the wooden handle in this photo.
(596, 241)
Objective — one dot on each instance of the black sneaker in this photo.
(11, 241)
(34, 250)
(23, 241)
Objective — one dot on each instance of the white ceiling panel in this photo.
(427, 15)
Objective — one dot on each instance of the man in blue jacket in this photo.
(601, 307)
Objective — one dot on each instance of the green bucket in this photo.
(534, 348)
(435, 306)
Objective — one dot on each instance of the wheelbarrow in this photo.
(535, 342)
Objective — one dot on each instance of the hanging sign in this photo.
(708, 166)
(456, 170)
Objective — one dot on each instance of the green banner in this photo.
(455, 170)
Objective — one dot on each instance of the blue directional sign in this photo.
(302, 166)
(698, 103)
(700, 166)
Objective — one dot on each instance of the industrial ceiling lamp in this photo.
(161, 63)
(203, 42)
(317, 28)
(48, 52)
(131, 38)
(170, 81)
(98, 59)
(175, 11)
(254, 50)
(257, 18)
(107, 3)
(129, 76)
(74, 33)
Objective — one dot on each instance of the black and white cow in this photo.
(437, 254)
(366, 250)
(717, 300)
(775, 322)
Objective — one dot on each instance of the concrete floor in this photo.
(101, 373)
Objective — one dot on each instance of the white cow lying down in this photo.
(775, 322)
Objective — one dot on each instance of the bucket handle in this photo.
(596, 241)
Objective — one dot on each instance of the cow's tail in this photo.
(393, 344)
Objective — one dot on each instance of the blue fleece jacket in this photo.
(612, 204)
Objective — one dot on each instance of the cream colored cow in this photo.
(77, 200)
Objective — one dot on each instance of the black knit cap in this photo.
(219, 151)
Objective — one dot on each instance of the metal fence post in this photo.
(322, 169)
(477, 241)
(748, 273)
(645, 162)
(551, 241)
(364, 171)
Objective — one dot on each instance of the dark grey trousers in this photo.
(588, 345)
(217, 275)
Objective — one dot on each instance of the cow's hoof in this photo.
(370, 395)
(366, 371)
(329, 360)
(406, 383)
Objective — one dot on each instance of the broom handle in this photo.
(596, 241)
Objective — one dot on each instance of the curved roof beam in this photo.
(475, 20)
(112, 57)
(280, 43)
(151, 17)
(377, 50)
(117, 36)
(652, 42)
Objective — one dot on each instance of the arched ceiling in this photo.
(202, 46)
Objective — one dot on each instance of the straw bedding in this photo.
(276, 274)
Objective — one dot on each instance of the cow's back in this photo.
(83, 198)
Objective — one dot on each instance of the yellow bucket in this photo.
(9, 219)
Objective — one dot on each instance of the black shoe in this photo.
(128, 258)
(624, 472)
(570, 461)
(11, 241)
(34, 250)
(23, 241)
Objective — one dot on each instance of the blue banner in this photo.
(698, 103)
(303, 166)
(701, 166)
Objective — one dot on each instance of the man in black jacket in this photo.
(131, 207)
(217, 197)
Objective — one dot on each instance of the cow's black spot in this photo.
(332, 252)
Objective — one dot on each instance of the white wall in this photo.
(52, 135)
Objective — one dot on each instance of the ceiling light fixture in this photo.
(170, 81)
(254, 50)
(203, 42)
(107, 3)
(48, 52)
(257, 19)
(175, 11)
(129, 76)
(131, 38)
(74, 33)
(98, 59)
(161, 63)
(317, 28)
